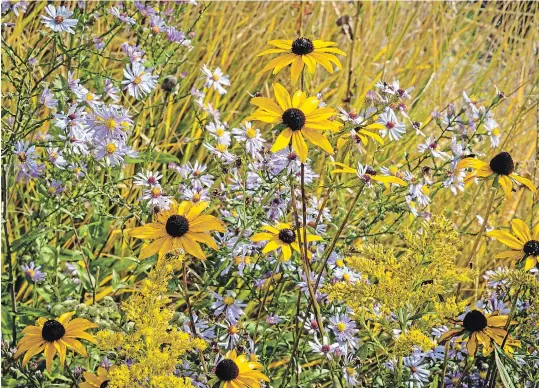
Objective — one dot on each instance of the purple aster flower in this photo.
(33, 273)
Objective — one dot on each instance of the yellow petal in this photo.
(282, 141)
(50, 351)
(507, 186)
(318, 139)
(271, 246)
(296, 68)
(310, 62)
(282, 96)
(192, 247)
(299, 145)
(506, 238)
(521, 230)
(525, 181)
(309, 106)
(267, 104)
(531, 261)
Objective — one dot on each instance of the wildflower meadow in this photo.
(270, 194)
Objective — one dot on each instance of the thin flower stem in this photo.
(328, 251)
(480, 234)
(492, 371)
(270, 280)
(190, 312)
(444, 368)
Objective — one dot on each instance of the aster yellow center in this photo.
(138, 80)
(339, 263)
(110, 124)
(228, 300)
(156, 192)
(341, 327)
(221, 147)
(110, 148)
(250, 133)
(215, 77)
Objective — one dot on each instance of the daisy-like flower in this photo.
(58, 19)
(216, 79)
(393, 128)
(283, 236)
(523, 244)
(301, 118)
(112, 151)
(156, 198)
(111, 90)
(367, 174)
(419, 373)
(431, 146)
(345, 330)
(139, 80)
(229, 306)
(219, 132)
(479, 328)
(181, 227)
(323, 347)
(239, 372)
(47, 98)
(300, 53)
(147, 178)
(99, 380)
(254, 142)
(32, 272)
(54, 336)
(501, 167)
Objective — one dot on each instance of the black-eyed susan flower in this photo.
(302, 118)
(523, 243)
(99, 380)
(181, 227)
(283, 236)
(480, 329)
(302, 52)
(367, 174)
(501, 166)
(54, 336)
(239, 372)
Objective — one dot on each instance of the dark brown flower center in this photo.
(502, 164)
(475, 321)
(302, 46)
(58, 19)
(293, 118)
(177, 225)
(531, 248)
(52, 330)
(287, 236)
(227, 370)
(104, 384)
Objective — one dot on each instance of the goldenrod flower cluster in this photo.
(155, 346)
(418, 278)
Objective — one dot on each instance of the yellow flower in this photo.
(501, 166)
(301, 52)
(360, 136)
(95, 381)
(54, 336)
(482, 329)
(283, 236)
(301, 117)
(523, 244)
(180, 227)
(367, 174)
(238, 372)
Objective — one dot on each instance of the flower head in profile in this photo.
(367, 174)
(54, 336)
(523, 243)
(283, 236)
(181, 227)
(501, 167)
(58, 19)
(301, 118)
(99, 380)
(33, 272)
(239, 372)
(480, 329)
(300, 53)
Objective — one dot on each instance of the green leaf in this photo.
(504, 374)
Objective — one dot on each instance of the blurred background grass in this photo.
(441, 48)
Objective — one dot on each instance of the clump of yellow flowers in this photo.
(153, 345)
(416, 280)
